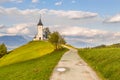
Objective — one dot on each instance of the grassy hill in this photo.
(34, 69)
(106, 61)
(33, 61)
(29, 51)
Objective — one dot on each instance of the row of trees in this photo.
(3, 50)
(56, 39)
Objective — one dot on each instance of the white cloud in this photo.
(15, 16)
(58, 3)
(16, 11)
(17, 1)
(78, 31)
(5, 34)
(34, 1)
(69, 14)
(114, 19)
(1, 26)
(1, 34)
(25, 31)
(73, 1)
(74, 14)
(87, 35)
(18, 29)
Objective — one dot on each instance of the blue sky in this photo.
(92, 22)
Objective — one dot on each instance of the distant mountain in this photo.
(13, 41)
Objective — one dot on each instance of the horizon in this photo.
(83, 23)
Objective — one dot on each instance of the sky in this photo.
(83, 23)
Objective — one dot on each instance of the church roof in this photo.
(40, 22)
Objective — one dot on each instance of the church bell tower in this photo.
(39, 35)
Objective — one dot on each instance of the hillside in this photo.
(106, 61)
(117, 45)
(29, 51)
(35, 69)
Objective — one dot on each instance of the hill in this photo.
(13, 41)
(106, 61)
(29, 51)
(117, 45)
(33, 69)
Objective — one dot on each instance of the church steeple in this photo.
(40, 32)
(40, 22)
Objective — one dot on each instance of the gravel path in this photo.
(72, 67)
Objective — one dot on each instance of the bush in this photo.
(3, 50)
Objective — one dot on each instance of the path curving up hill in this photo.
(72, 67)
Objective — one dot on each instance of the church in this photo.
(42, 33)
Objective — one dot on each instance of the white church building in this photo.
(40, 31)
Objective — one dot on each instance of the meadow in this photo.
(105, 61)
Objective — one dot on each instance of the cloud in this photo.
(1, 26)
(15, 15)
(16, 11)
(18, 29)
(62, 13)
(81, 34)
(1, 34)
(17, 1)
(34, 1)
(113, 19)
(78, 31)
(74, 14)
(58, 3)
(24, 29)
(73, 1)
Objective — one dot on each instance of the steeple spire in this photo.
(40, 22)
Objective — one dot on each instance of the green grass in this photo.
(106, 61)
(29, 51)
(34, 69)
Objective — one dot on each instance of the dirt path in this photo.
(72, 67)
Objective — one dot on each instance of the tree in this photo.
(3, 50)
(56, 39)
(46, 32)
(62, 40)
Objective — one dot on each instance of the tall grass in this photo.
(34, 69)
(106, 61)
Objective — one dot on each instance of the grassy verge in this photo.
(106, 61)
(35, 69)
